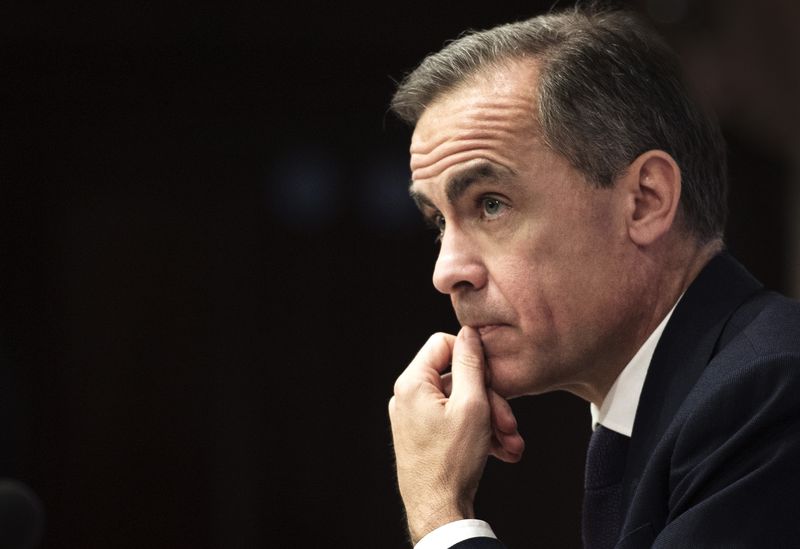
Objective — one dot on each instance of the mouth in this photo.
(487, 328)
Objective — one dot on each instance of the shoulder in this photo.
(725, 464)
(756, 365)
(769, 323)
(743, 414)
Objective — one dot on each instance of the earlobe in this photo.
(654, 183)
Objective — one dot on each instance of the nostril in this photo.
(462, 285)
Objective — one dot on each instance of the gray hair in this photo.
(609, 90)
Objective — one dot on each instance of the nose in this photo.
(459, 266)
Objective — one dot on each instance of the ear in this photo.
(653, 185)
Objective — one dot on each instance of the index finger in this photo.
(434, 355)
(469, 368)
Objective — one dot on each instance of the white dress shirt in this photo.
(617, 413)
(619, 406)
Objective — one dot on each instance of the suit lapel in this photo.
(684, 350)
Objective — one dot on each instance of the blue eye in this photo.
(491, 206)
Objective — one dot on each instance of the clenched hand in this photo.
(444, 426)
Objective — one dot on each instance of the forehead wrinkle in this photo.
(509, 109)
(465, 155)
(480, 114)
(484, 124)
(467, 132)
(450, 153)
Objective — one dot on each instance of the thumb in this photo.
(469, 369)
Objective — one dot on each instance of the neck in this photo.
(664, 278)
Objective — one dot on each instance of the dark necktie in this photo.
(602, 497)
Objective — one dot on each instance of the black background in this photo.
(211, 275)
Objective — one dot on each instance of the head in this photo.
(609, 89)
(560, 158)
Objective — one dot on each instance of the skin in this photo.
(555, 282)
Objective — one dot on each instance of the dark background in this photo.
(211, 274)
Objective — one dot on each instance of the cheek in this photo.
(549, 272)
(517, 279)
(533, 293)
(555, 300)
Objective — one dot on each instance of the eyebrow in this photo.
(457, 185)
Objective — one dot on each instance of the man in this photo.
(579, 197)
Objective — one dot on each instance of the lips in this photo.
(486, 328)
(485, 319)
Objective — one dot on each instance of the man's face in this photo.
(531, 255)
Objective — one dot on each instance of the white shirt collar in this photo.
(618, 411)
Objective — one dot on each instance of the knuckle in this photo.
(404, 386)
(472, 403)
(392, 406)
(399, 386)
(438, 338)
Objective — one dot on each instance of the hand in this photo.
(444, 427)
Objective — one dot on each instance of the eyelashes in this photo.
(492, 207)
(488, 208)
(436, 223)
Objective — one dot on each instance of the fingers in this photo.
(468, 371)
(507, 444)
(508, 449)
(465, 384)
(435, 354)
(468, 378)
(423, 375)
(503, 419)
(440, 443)
(447, 384)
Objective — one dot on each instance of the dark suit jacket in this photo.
(714, 458)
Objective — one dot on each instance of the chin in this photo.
(507, 377)
(512, 377)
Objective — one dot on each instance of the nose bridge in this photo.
(459, 263)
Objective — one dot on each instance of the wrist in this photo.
(422, 521)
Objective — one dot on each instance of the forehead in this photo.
(494, 106)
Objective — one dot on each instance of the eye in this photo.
(492, 207)
(438, 221)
